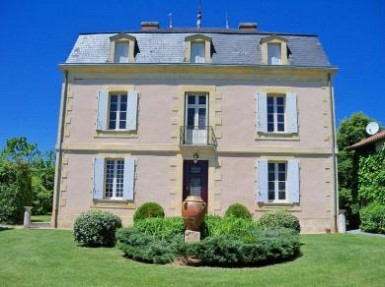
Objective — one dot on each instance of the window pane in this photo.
(271, 176)
(121, 53)
(123, 99)
(270, 109)
(122, 125)
(190, 117)
(112, 125)
(270, 118)
(271, 186)
(271, 166)
(280, 118)
(191, 100)
(202, 100)
(282, 166)
(281, 195)
(274, 53)
(282, 186)
(270, 101)
(271, 195)
(280, 101)
(270, 127)
(281, 127)
(202, 118)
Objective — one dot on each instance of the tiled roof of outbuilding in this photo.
(370, 140)
(230, 47)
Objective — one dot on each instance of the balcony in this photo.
(198, 137)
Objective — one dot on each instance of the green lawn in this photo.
(51, 258)
(41, 218)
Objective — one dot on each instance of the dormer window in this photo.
(198, 49)
(121, 52)
(122, 48)
(274, 54)
(274, 50)
(197, 52)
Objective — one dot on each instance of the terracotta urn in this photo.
(193, 212)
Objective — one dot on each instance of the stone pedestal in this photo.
(341, 223)
(192, 236)
(27, 216)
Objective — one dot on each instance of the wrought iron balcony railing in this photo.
(197, 136)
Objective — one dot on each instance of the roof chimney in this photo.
(149, 25)
(248, 26)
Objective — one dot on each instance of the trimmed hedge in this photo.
(257, 247)
(96, 228)
(238, 210)
(148, 209)
(373, 218)
(278, 219)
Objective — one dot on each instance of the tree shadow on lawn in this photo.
(2, 228)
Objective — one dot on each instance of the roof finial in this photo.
(170, 20)
(199, 15)
(227, 21)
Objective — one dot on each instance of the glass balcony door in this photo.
(196, 120)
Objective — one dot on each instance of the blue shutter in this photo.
(129, 178)
(101, 122)
(293, 180)
(261, 112)
(98, 178)
(262, 181)
(132, 108)
(292, 117)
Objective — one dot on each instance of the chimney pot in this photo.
(248, 26)
(149, 25)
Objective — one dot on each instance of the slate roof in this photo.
(231, 47)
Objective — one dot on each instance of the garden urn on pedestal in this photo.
(193, 212)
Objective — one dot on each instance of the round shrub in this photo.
(238, 210)
(96, 228)
(148, 209)
(373, 218)
(280, 218)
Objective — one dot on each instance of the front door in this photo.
(196, 119)
(195, 179)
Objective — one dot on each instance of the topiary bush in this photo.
(373, 218)
(161, 228)
(96, 228)
(148, 209)
(238, 210)
(280, 218)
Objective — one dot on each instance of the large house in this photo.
(232, 115)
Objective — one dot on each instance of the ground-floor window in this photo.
(277, 181)
(114, 178)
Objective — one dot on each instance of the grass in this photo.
(51, 258)
(41, 218)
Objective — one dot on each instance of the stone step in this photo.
(44, 225)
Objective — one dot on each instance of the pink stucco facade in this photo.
(232, 112)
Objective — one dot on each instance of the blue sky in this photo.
(38, 35)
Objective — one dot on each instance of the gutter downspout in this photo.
(334, 151)
(59, 150)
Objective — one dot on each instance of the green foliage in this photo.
(372, 178)
(373, 218)
(215, 225)
(139, 246)
(256, 247)
(280, 218)
(19, 150)
(161, 228)
(15, 191)
(96, 228)
(148, 209)
(349, 132)
(238, 210)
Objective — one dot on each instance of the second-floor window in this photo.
(275, 114)
(274, 54)
(118, 112)
(121, 52)
(197, 52)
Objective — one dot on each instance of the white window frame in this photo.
(114, 190)
(275, 114)
(277, 182)
(119, 111)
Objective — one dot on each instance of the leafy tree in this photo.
(41, 167)
(350, 131)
